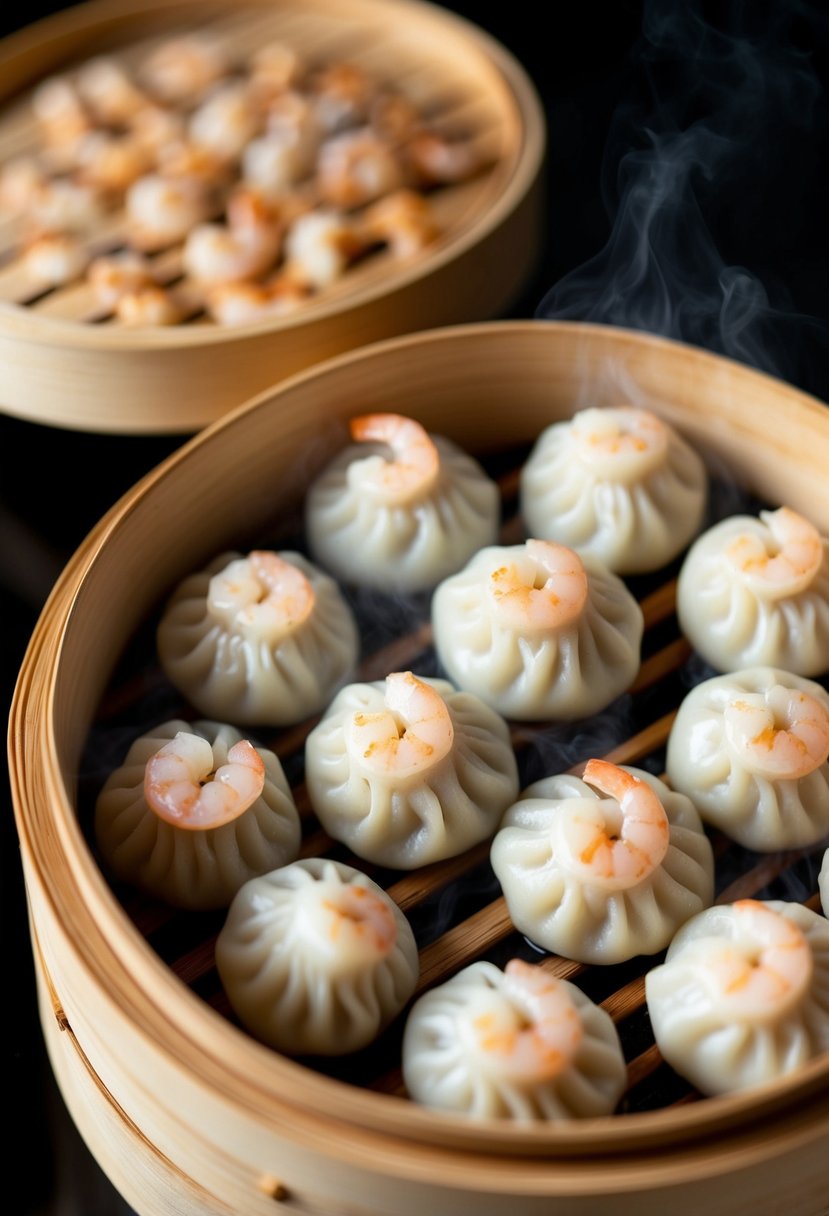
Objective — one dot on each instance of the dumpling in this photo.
(750, 750)
(753, 591)
(408, 770)
(515, 1044)
(316, 958)
(264, 639)
(538, 631)
(743, 995)
(619, 483)
(189, 844)
(602, 869)
(399, 509)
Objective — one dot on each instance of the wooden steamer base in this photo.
(184, 1111)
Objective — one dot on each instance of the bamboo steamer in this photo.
(66, 366)
(183, 1110)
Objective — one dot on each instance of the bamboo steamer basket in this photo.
(67, 366)
(186, 1112)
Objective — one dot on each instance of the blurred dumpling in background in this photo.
(193, 812)
(399, 509)
(750, 749)
(823, 883)
(743, 995)
(516, 1044)
(261, 639)
(619, 483)
(753, 591)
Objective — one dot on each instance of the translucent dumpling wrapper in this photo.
(604, 868)
(181, 863)
(753, 591)
(316, 958)
(538, 631)
(516, 1044)
(263, 639)
(742, 997)
(619, 483)
(399, 509)
(410, 770)
(750, 749)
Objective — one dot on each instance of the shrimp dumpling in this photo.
(408, 771)
(604, 868)
(753, 591)
(516, 1044)
(742, 997)
(538, 631)
(316, 958)
(751, 750)
(619, 483)
(399, 509)
(193, 812)
(263, 639)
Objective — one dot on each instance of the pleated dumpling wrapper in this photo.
(753, 591)
(399, 509)
(264, 639)
(604, 868)
(742, 997)
(751, 750)
(316, 958)
(517, 1044)
(193, 812)
(408, 770)
(538, 631)
(618, 482)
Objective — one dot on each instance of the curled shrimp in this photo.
(415, 463)
(111, 163)
(262, 594)
(553, 598)
(341, 94)
(161, 210)
(243, 248)
(622, 443)
(623, 838)
(180, 69)
(783, 734)
(402, 221)
(783, 563)
(357, 921)
(244, 303)
(114, 275)
(767, 967)
(150, 304)
(226, 121)
(183, 786)
(319, 246)
(357, 167)
(414, 732)
(56, 258)
(438, 161)
(108, 90)
(535, 1035)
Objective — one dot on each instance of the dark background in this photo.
(686, 193)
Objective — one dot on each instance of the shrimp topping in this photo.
(533, 1034)
(350, 923)
(183, 786)
(262, 594)
(412, 734)
(620, 444)
(414, 466)
(767, 967)
(782, 734)
(613, 842)
(546, 590)
(783, 563)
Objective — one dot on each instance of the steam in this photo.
(722, 113)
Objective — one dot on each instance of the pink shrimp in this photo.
(783, 562)
(767, 967)
(356, 922)
(183, 786)
(620, 443)
(783, 734)
(551, 597)
(415, 463)
(262, 594)
(357, 167)
(403, 221)
(413, 733)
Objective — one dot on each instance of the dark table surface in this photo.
(687, 193)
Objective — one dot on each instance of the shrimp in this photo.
(183, 786)
(62, 118)
(55, 259)
(262, 594)
(358, 920)
(108, 91)
(415, 463)
(20, 180)
(182, 68)
(111, 162)
(319, 246)
(226, 122)
(624, 837)
(62, 204)
(357, 167)
(162, 210)
(767, 967)
(402, 221)
(783, 734)
(437, 161)
(273, 69)
(412, 734)
(552, 598)
(228, 253)
(112, 276)
(783, 563)
(244, 303)
(341, 94)
(150, 305)
(535, 1034)
(620, 443)
(278, 160)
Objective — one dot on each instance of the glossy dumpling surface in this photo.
(516, 1044)
(315, 958)
(743, 995)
